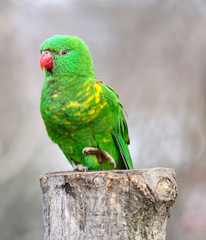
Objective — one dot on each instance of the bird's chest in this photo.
(51, 99)
(67, 104)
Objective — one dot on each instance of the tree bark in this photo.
(108, 205)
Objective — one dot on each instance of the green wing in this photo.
(120, 131)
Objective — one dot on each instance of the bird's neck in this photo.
(69, 84)
(84, 73)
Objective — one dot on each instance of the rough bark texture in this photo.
(109, 205)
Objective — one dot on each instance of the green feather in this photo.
(78, 110)
(120, 132)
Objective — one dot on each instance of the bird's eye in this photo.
(63, 52)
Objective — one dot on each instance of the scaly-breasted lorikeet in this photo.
(81, 114)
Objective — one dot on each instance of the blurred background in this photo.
(152, 53)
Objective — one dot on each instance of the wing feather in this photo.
(120, 131)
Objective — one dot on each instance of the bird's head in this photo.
(63, 55)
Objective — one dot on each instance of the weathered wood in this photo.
(108, 205)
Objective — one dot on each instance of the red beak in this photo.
(46, 61)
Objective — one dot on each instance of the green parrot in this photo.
(82, 115)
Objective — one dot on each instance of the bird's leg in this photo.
(99, 154)
(80, 168)
(95, 151)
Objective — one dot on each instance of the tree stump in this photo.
(108, 205)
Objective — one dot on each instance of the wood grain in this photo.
(124, 204)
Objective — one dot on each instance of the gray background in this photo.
(152, 53)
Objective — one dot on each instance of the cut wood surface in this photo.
(108, 205)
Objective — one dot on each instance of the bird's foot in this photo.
(80, 168)
(110, 158)
(99, 154)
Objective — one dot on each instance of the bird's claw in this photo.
(99, 153)
(80, 168)
(110, 158)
